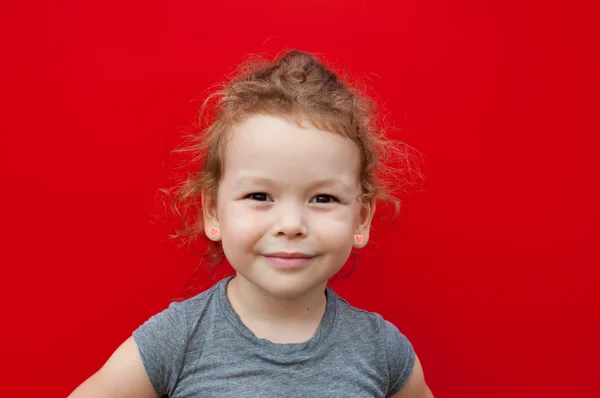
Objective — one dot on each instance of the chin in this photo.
(286, 286)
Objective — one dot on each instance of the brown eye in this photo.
(258, 196)
(325, 199)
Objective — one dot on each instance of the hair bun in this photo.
(296, 76)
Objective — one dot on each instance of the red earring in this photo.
(358, 239)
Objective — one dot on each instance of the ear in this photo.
(367, 212)
(209, 215)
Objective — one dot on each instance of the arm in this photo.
(123, 375)
(415, 387)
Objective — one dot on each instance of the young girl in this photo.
(288, 186)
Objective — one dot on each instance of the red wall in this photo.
(491, 271)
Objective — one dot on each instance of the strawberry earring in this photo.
(214, 232)
(358, 239)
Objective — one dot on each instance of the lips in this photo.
(288, 260)
(288, 255)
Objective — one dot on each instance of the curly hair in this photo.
(296, 86)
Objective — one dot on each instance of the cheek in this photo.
(239, 224)
(335, 230)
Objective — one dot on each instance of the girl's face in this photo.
(288, 191)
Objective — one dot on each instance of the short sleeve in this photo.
(162, 342)
(400, 356)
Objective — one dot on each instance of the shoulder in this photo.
(181, 313)
(369, 320)
(374, 324)
(163, 339)
(393, 345)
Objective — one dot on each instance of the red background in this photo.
(491, 271)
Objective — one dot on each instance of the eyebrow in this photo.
(328, 182)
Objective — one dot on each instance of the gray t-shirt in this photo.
(200, 348)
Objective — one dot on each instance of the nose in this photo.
(291, 220)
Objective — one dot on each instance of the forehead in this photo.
(274, 148)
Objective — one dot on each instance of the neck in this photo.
(252, 302)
